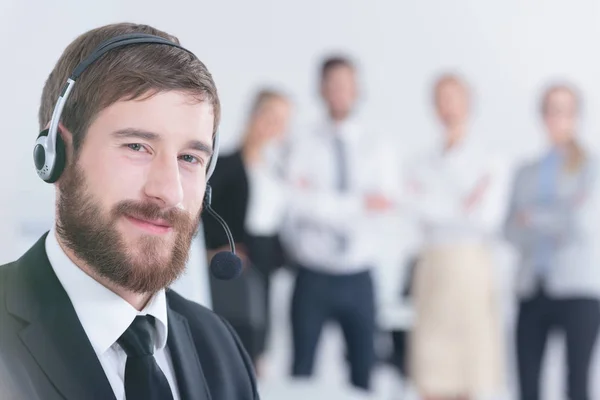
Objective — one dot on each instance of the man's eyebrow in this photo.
(152, 136)
(201, 147)
(136, 133)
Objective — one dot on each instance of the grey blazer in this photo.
(573, 223)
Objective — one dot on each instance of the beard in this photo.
(93, 236)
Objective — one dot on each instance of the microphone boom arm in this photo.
(224, 225)
(220, 220)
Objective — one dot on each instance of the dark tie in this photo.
(341, 163)
(339, 151)
(143, 377)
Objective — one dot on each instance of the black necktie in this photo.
(143, 377)
(341, 163)
(339, 151)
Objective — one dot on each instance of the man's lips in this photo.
(153, 226)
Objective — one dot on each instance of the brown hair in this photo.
(334, 62)
(128, 72)
(576, 155)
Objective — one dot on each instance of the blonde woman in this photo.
(455, 347)
(553, 223)
(248, 195)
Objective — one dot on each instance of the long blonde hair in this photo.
(576, 155)
(261, 98)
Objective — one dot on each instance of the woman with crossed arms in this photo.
(553, 222)
(457, 197)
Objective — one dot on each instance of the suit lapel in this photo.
(190, 378)
(54, 336)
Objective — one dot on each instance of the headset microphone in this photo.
(225, 265)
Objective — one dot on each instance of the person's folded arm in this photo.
(527, 222)
(430, 206)
(489, 211)
(551, 219)
(333, 208)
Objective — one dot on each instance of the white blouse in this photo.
(439, 184)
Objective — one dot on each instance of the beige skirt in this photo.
(456, 345)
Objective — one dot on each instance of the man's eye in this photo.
(135, 146)
(190, 159)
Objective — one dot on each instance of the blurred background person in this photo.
(455, 345)
(553, 223)
(332, 172)
(248, 194)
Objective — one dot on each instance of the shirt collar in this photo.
(459, 150)
(349, 128)
(102, 313)
(556, 154)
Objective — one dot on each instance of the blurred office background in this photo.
(507, 51)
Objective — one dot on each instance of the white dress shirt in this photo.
(105, 316)
(438, 184)
(267, 192)
(318, 213)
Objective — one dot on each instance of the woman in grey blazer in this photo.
(553, 224)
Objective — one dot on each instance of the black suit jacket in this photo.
(51, 358)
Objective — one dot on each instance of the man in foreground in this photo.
(86, 313)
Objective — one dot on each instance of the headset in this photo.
(49, 154)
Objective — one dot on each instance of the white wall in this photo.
(507, 49)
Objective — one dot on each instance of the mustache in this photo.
(175, 217)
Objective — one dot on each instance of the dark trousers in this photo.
(579, 319)
(264, 333)
(399, 356)
(348, 300)
(267, 255)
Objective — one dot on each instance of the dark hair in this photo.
(334, 62)
(124, 73)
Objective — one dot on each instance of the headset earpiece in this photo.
(49, 164)
(61, 158)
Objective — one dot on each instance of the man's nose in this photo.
(163, 183)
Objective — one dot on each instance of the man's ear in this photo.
(67, 140)
(65, 134)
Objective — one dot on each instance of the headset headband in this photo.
(49, 143)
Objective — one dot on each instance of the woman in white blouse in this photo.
(456, 192)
